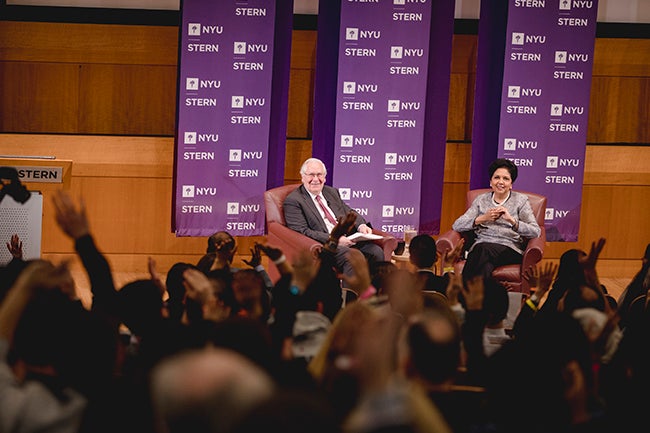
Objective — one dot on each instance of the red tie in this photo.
(328, 215)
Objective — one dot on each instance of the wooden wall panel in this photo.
(622, 57)
(99, 156)
(461, 107)
(39, 97)
(301, 98)
(303, 49)
(463, 54)
(619, 110)
(617, 165)
(127, 99)
(88, 43)
(297, 152)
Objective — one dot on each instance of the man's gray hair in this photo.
(303, 168)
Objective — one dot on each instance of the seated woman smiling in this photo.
(502, 221)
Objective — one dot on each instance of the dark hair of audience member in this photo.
(379, 271)
(423, 252)
(530, 371)
(309, 412)
(141, 305)
(435, 351)
(176, 290)
(249, 337)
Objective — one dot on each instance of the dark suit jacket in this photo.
(301, 214)
(432, 281)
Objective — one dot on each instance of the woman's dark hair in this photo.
(504, 163)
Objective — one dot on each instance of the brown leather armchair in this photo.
(509, 275)
(290, 241)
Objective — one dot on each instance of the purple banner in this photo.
(544, 103)
(383, 62)
(223, 116)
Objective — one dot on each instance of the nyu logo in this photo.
(563, 57)
(351, 140)
(196, 29)
(558, 110)
(354, 34)
(521, 38)
(188, 191)
(515, 92)
(237, 155)
(240, 101)
(566, 5)
(390, 211)
(348, 193)
(191, 191)
(394, 158)
(191, 137)
(395, 106)
(553, 161)
(398, 52)
(235, 208)
(351, 87)
(551, 213)
(404, 2)
(244, 47)
(514, 144)
(193, 83)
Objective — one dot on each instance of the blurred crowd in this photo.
(211, 348)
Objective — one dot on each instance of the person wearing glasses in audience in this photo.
(314, 208)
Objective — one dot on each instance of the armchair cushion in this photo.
(510, 275)
(292, 242)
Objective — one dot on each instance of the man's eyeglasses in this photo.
(318, 175)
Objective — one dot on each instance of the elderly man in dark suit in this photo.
(314, 208)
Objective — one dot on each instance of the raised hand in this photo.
(155, 275)
(474, 293)
(72, 221)
(454, 288)
(199, 288)
(588, 263)
(344, 225)
(271, 252)
(452, 256)
(15, 247)
(542, 279)
(256, 256)
(359, 281)
(304, 269)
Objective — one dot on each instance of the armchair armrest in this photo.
(388, 244)
(447, 241)
(534, 251)
(532, 255)
(290, 242)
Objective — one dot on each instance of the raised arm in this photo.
(73, 221)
